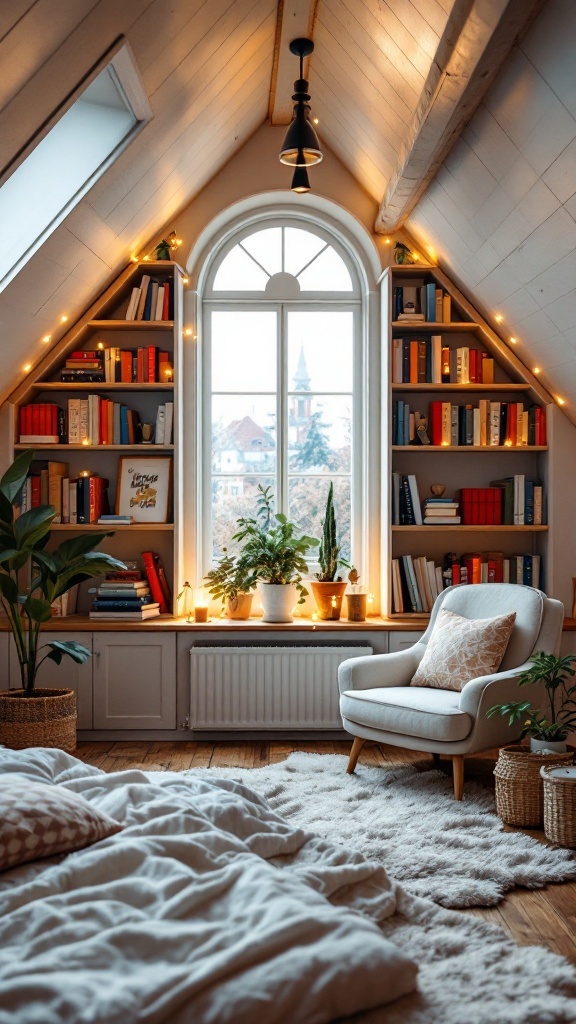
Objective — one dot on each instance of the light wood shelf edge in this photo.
(514, 449)
(132, 325)
(463, 528)
(113, 527)
(62, 385)
(95, 447)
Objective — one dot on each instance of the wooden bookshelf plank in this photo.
(97, 447)
(471, 529)
(132, 325)
(57, 385)
(462, 387)
(104, 527)
(469, 448)
(427, 326)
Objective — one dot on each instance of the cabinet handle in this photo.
(96, 654)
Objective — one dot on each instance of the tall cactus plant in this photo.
(329, 551)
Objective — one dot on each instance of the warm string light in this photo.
(536, 370)
(561, 401)
(498, 318)
(513, 341)
(27, 368)
(63, 318)
(187, 332)
(185, 280)
(86, 441)
(47, 338)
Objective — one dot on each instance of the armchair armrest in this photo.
(376, 670)
(479, 695)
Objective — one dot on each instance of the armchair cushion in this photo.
(410, 711)
(461, 649)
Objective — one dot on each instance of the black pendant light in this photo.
(301, 148)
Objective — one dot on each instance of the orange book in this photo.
(126, 366)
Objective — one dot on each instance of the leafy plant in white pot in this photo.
(554, 675)
(273, 555)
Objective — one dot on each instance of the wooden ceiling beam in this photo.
(295, 20)
(478, 37)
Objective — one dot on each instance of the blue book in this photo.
(148, 303)
(115, 604)
(431, 302)
(400, 433)
(406, 423)
(529, 502)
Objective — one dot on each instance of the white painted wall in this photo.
(500, 216)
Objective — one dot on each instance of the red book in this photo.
(472, 356)
(54, 420)
(435, 422)
(43, 418)
(152, 360)
(126, 366)
(151, 560)
(166, 304)
(85, 355)
(456, 574)
(140, 366)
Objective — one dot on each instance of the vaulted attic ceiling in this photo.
(392, 84)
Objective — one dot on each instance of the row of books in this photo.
(76, 500)
(143, 365)
(421, 302)
(487, 424)
(41, 423)
(429, 361)
(152, 300)
(132, 594)
(513, 501)
(100, 421)
(417, 581)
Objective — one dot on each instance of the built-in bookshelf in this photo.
(483, 418)
(133, 377)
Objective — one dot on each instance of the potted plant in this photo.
(230, 582)
(554, 675)
(273, 555)
(328, 588)
(30, 580)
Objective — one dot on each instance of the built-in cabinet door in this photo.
(134, 680)
(400, 641)
(4, 661)
(67, 674)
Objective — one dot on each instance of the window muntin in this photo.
(252, 263)
(280, 379)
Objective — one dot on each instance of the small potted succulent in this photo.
(230, 582)
(328, 587)
(272, 555)
(548, 729)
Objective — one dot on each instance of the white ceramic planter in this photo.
(278, 600)
(556, 746)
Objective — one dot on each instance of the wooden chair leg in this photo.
(355, 754)
(458, 774)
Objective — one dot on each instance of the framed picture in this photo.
(144, 488)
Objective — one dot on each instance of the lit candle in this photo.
(333, 601)
(314, 616)
(201, 602)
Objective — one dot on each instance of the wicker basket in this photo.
(48, 719)
(559, 808)
(519, 788)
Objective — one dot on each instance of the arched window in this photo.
(281, 369)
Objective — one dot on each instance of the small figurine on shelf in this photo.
(402, 254)
(164, 247)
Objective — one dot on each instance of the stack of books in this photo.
(40, 423)
(422, 302)
(144, 365)
(153, 300)
(124, 595)
(83, 368)
(441, 511)
(489, 424)
(428, 361)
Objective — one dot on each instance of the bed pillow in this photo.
(39, 821)
(461, 649)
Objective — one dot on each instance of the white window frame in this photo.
(354, 302)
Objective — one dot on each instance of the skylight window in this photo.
(66, 162)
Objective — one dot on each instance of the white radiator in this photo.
(267, 687)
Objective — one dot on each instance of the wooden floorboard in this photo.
(543, 917)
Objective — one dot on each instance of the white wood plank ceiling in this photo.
(392, 81)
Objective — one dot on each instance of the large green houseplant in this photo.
(273, 554)
(547, 727)
(328, 587)
(31, 578)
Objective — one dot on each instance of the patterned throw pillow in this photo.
(462, 649)
(39, 821)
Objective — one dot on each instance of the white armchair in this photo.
(377, 702)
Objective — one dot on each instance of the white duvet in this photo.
(206, 908)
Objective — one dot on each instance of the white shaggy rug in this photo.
(456, 854)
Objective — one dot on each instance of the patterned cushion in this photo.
(462, 649)
(39, 821)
